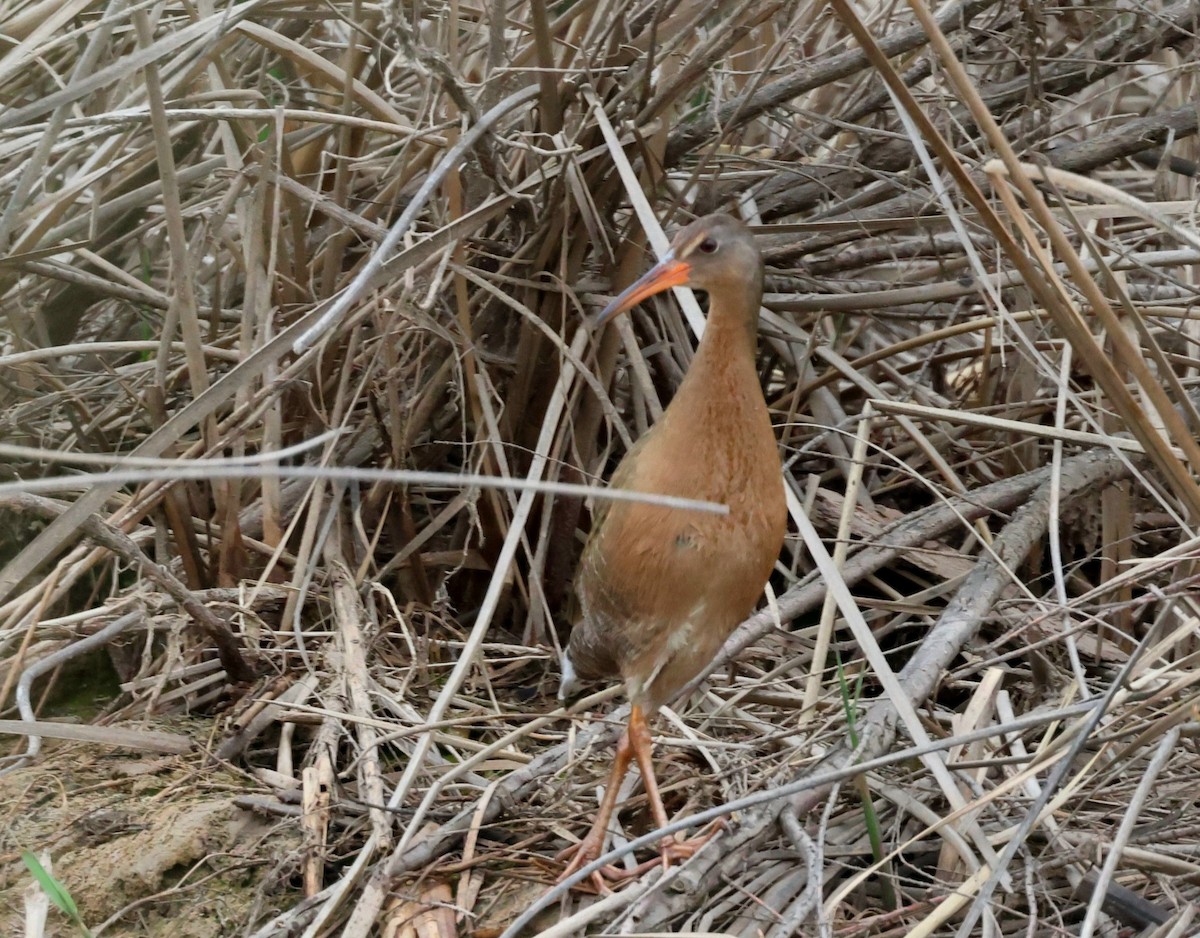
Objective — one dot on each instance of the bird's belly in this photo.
(664, 591)
(669, 663)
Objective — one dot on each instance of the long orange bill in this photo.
(668, 272)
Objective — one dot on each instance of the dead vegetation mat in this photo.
(302, 426)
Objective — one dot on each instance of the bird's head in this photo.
(716, 253)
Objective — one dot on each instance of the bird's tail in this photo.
(569, 684)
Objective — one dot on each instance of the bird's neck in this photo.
(728, 347)
(716, 433)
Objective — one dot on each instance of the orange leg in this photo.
(636, 743)
(643, 749)
(590, 847)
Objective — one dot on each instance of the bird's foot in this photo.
(583, 853)
(671, 851)
(677, 851)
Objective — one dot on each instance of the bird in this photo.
(659, 589)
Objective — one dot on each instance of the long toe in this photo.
(676, 851)
(577, 856)
(583, 853)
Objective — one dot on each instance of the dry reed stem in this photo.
(335, 260)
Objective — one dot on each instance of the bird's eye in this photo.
(707, 246)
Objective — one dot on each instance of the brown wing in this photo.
(660, 589)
